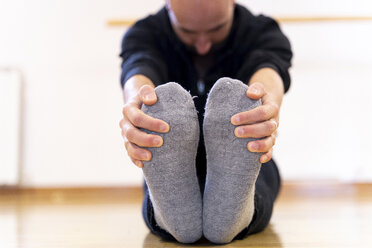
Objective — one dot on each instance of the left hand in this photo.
(260, 122)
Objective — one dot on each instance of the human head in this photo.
(201, 23)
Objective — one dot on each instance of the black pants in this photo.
(267, 189)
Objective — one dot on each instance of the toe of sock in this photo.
(217, 236)
(226, 86)
(188, 237)
(173, 92)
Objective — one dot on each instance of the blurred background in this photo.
(61, 101)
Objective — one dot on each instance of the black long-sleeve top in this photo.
(151, 48)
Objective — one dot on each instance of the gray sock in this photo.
(232, 170)
(171, 173)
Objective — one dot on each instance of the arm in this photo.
(266, 71)
(143, 68)
(269, 48)
(139, 90)
(272, 83)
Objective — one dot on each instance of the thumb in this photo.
(255, 91)
(147, 95)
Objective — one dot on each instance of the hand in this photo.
(133, 119)
(260, 122)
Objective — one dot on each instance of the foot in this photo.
(171, 173)
(232, 170)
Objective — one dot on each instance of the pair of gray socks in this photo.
(227, 206)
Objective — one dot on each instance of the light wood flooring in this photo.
(305, 215)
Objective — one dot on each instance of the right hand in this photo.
(133, 119)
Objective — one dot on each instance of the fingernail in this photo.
(149, 97)
(157, 141)
(264, 160)
(163, 128)
(146, 156)
(253, 90)
(253, 146)
(275, 123)
(240, 131)
(236, 119)
(138, 164)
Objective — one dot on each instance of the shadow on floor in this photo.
(266, 238)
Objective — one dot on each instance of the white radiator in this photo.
(10, 106)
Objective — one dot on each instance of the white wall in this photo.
(69, 57)
(73, 101)
(10, 106)
(309, 8)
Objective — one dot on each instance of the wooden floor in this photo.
(306, 215)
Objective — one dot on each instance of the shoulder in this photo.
(154, 26)
(152, 22)
(248, 23)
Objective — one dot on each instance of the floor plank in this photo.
(306, 215)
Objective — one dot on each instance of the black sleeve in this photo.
(271, 48)
(141, 53)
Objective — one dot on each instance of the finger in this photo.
(121, 122)
(262, 145)
(267, 156)
(137, 153)
(147, 95)
(137, 163)
(258, 130)
(258, 114)
(256, 91)
(141, 138)
(139, 119)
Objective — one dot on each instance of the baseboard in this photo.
(135, 193)
(72, 194)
